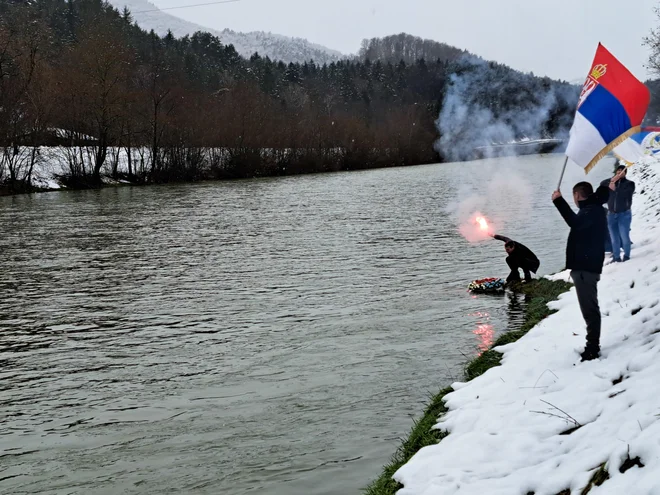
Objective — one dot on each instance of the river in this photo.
(268, 336)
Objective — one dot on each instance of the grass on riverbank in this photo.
(540, 292)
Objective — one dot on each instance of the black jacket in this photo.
(521, 256)
(585, 249)
(622, 196)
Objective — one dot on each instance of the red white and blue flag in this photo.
(611, 108)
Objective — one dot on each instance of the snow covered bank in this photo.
(59, 167)
(544, 423)
(53, 162)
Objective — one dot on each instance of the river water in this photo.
(269, 336)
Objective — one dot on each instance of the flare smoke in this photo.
(489, 104)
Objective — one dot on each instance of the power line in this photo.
(187, 6)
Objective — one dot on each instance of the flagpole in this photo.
(561, 177)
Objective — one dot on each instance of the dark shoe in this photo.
(626, 258)
(590, 353)
(616, 260)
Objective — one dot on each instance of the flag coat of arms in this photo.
(639, 146)
(611, 108)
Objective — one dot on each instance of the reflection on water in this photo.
(514, 311)
(486, 335)
(484, 331)
(481, 314)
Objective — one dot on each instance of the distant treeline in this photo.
(80, 74)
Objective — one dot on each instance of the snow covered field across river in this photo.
(544, 423)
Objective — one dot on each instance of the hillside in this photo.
(275, 46)
(408, 48)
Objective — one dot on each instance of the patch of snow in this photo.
(45, 182)
(511, 430)
(64, 134)
(564, 276)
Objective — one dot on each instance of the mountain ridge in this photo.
(275, 46)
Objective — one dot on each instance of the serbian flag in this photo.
(640, 145)
(611, 108)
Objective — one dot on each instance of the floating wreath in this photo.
(487, 285)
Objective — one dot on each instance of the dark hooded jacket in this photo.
(521, 256)
(621, 198)
(585, 249)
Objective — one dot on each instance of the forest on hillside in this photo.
(80, 75)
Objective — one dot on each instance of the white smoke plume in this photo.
(490, 195)
(488, 104)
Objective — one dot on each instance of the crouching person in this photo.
(520, 257)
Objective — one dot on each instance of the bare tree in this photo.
(22, 66)
(652, 41)
(95, 71)
(158, 89)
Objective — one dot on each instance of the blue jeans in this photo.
(619, 226)
(608, 243)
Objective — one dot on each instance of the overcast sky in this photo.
(550, 37)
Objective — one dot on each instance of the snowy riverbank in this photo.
(544, 423)
(49, 168)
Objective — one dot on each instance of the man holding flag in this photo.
(585, 253)
(611, 108)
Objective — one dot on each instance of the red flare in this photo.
(483, 223)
